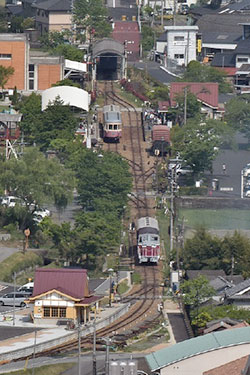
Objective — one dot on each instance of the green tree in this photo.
(237, 114)
(35, 179)
(236, 250)
(56, 121)
(67, 82)
(159, 93)
(68, 52)
(31, 109)
(202, 251)
(28, 23)
(5, 74)
(199, 142)
(101, 178)
(52, 39)
(16, 24)
(15, 97)
(91, 16)
(195, 292)
(196, 72)
(193, 108)
(147, 38)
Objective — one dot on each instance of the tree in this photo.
(102, 178)
(195, 292)
(196, 72)
(35, 179)
(52, 39)
(193, 108)
(236, 250)
(5, 74)
(202, 251)
(66, 82)
(91, 15)
(199, 142)
(237, 114)
(28, 23)
(147, 38)
(31, 109)
(68, 52)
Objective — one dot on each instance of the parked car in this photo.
(27, 288)
(184, 170)
(247, 194)
(246, 170)
(18, 298)
(40, 214)
(10, 201)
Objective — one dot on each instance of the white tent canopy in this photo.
(68, 94)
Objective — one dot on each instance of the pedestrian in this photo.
(224, 168)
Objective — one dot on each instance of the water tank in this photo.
(124, 368)
(132, 367)
(114, 368)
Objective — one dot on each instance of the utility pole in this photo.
(172, 186)
(14, 305)
(185, 106)
(94, 350)
(162, 20)
(174, 13)
(34, 354)
(108, 342)
(79, 347)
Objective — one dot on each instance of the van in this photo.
(8, 299)
(27, 288)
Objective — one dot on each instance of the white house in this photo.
(180, 44)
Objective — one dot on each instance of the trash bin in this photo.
(215, 184)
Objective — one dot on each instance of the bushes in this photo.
(130, 87)
(18, 262)
(192, 190)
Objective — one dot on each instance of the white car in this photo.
(246, 170)
(247, 194)
(40, 214)
(11, 201)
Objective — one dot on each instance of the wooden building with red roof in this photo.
(62, 295)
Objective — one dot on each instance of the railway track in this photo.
(145, 298)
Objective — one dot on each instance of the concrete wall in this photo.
(48, 75)
(88, 329)
(185, 47)
(213, 203)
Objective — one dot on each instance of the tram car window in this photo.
(148, 240)
(112, 123)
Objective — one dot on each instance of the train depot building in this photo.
(61, 296)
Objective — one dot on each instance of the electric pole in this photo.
(185, 106)
(14, 305)
(94, 350)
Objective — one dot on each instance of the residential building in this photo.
(239, 295)
(180, 44)
(207, 94)
(33, 70)
(201, 354)
(53, 15)
(62, 294)
(128, 34)
(239, 366)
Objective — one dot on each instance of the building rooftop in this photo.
(243, 46)
(198, 345)
(72, 282)
(54, 5)
(233, 368)
(224, 60)
(244, 285)
(13, 37)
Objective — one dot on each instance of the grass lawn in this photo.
(45, 370)
(228, 219)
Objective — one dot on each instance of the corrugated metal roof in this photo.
(198, 345)
(108, 45)
(206, 92)
(73, 282)
(238, 288)
(147, 222)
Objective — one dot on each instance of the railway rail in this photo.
(145, 298)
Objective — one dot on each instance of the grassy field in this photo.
(228, 219)
(45, 370)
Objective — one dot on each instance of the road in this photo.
(154, 70)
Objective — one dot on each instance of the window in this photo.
(54, 312)
(31, 76)
(5, 56)
(110, 127)
(179, 38)
(242, 59)
(115, 127)
(62, 312)
(179, 56)
(154, 238)
(31, 85)
(46, 312)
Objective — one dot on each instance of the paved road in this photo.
(178, 326)
(235, 161)
(5, 252)
(153, 68)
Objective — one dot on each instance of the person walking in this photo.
(224, 168)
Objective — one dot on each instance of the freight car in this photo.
(160, 140)
(148, 240)
(112, 123)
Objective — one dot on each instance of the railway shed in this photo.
(109, 60)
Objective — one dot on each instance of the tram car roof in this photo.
(147, 223)
(112, 113)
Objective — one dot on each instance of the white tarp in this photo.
(70, 95)
(75, 65)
